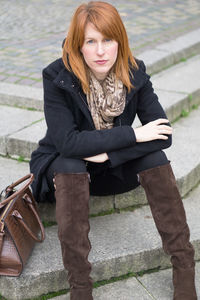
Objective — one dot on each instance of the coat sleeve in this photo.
(64, 133)
(148, 109)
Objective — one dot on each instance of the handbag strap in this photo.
(22, 189)
(1, 240)
(22, 222)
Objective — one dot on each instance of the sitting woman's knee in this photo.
(152, 160)
(68, 165)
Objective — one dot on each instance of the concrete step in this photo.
(21, 96)
(185, 159)
(181, 92)
(121, 243)
(157, 286)
(13, 121)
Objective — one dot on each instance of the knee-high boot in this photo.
(168, 212)
(72, 215)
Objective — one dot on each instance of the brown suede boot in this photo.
(72, 215)
(169, 215)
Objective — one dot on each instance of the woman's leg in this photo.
(168, 212)
(72, 215)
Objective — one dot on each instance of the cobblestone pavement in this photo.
(31, 32)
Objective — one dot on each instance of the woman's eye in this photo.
(107, 40)
(90, 41)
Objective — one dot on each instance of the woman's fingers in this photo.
(160, 121)
(153, 130)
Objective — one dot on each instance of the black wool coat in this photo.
(71, 131)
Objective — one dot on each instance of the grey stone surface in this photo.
(25, 141)
(184, 46)
(185, 151)
(171, 52)
(121, 243)
(11, 170)
(21, 95)
(160, 284)
(174, 103)
(183, 77)
(156, 60)
(36, 32)
(96, 205)
(12, 120)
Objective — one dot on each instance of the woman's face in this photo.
(99, 52)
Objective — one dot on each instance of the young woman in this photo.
(91, 97)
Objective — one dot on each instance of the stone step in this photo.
(185, 159)
(159, 58)
(21, 96)
(15, 120)
(121, 243)
(157, 286)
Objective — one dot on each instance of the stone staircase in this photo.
(124, 241)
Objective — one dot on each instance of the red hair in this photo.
(108, 22)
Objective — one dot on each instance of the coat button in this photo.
(62, 82)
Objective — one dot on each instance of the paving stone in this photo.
(12, 79)
(147, 26)
(19, 95)
(121, 243)
(27, 81)
(2, 77)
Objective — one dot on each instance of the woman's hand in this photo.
(154, 130)
(99, 158)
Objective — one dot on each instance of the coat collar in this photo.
(68, 81)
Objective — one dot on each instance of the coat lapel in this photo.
(68, 82)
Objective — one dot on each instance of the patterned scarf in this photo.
(106, 100)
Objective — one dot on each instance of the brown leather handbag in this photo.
(20, 225)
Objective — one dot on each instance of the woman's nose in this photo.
(100, 49)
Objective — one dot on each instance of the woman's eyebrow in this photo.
(89, 38)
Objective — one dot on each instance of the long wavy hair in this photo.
(108, 22)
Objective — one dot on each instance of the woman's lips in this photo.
(101, 62)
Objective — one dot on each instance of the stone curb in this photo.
(170, 53)
(121, 243)
(157, 59)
